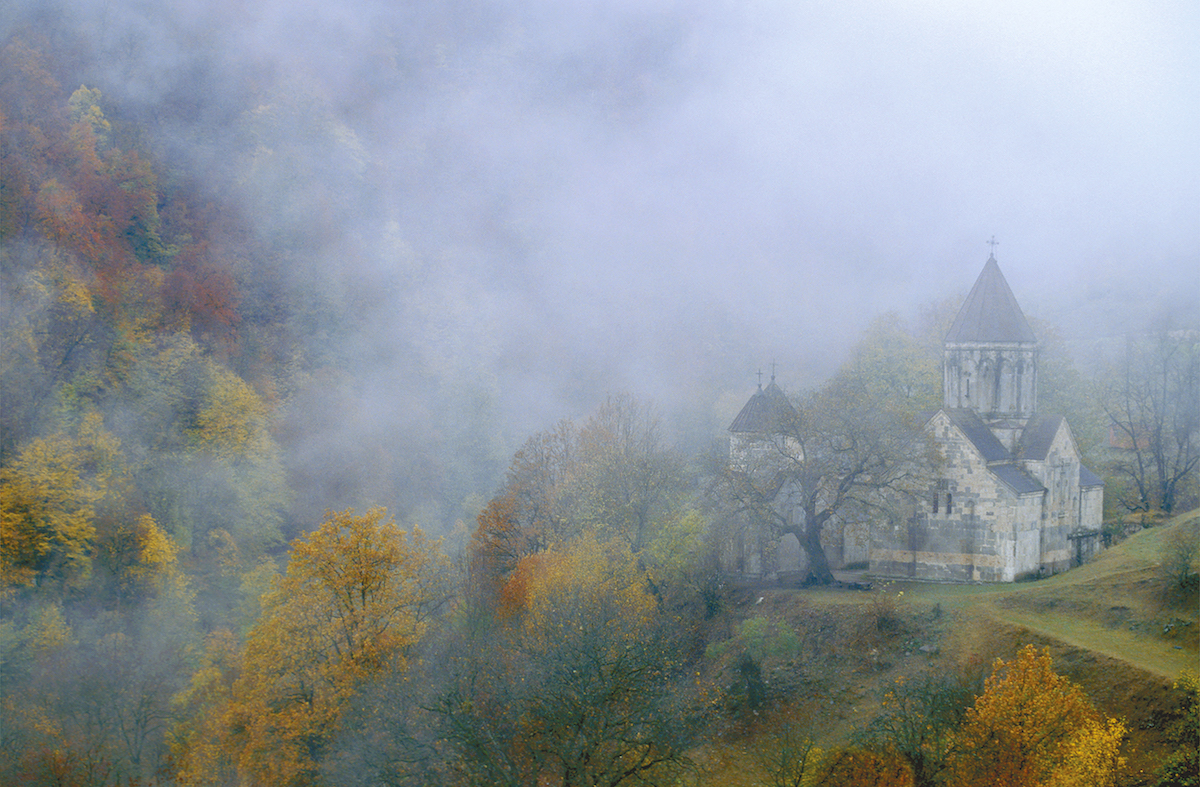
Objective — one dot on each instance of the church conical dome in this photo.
(990, 313)
(767, 412)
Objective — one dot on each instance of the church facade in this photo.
(1012, 499)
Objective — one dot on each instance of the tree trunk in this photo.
(819, 564)
(819, 572)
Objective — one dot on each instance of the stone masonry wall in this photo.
(1059, 473)
(978, 539)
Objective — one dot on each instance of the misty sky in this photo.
(618, 176)
(807, 162)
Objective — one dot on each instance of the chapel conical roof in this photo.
(767, 412)
(990, 313)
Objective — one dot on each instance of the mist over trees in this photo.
(314, 467)
(1151, 395)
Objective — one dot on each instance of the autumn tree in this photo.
(52, 337)
(206, 460)
(136, 560)
(789, 755)
(627, 472)
(1152, 398)
(616, 477)
(1179, 564)
(30, 649)
(862, 768)
(1181, 768)
(1032, 727)
(88, 701)
(898, 369)
(48, 510)
(526, 516)
(357, 597)
(918, 720)
(584, 685)
(199, 740)
(849, 450)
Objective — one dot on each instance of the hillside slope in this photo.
(1117, 626)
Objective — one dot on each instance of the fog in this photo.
(554, 201)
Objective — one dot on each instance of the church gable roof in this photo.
(990, 313)
(1088, 478)
(1038, 436)
(1017, 479)
(975, 430)
(767, 412)
(999, 459)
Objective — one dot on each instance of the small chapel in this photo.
(1013, 499)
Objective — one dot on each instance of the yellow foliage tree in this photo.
(862, 768)
(141, 556)
(232, 421)
(592, 583)
(213, 465)
(48, 506)
(31, 733)
(356, 598)
(199, 741)
(1034, 728)
(1091, 756)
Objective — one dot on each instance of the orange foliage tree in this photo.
(527, 515)
(356, 598)
(863, 768)
(615, 478)
(583, 684)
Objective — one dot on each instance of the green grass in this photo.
(1138, 650)
(1077, 607)
(1112, 606)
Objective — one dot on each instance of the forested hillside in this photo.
(156, 296)
(188, 383)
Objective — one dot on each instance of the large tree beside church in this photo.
(850, 450)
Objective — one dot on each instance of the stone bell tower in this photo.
(991, 357)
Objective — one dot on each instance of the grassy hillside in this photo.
(1117, 626)
(1120, 606)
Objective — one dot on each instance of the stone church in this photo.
(1013, 499)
